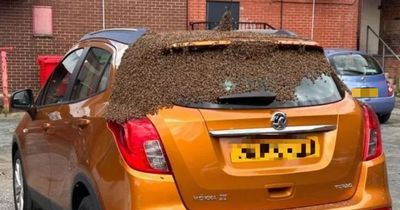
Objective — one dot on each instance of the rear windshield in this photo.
(221, 70)
(355, 65)
(322, 90)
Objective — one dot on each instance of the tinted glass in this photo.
(104, 79)
(355, 65)
(59, 80)
(93, 76)
(322, 90)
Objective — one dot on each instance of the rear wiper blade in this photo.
(255, 98)
(351, 71)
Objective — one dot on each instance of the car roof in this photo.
(129, 36)
(126, 36)
(334, 51)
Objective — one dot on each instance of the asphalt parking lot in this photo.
(390, 131)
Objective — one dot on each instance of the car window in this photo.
(93, 76)
(355, 64)
(104, 79)
(322, 90)
(59, 80)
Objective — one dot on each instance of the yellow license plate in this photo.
(276, 149)
(364, 92)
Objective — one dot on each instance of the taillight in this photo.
(140, 145)
(372, 134)
(390, 88)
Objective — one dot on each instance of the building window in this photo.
(216, 9)
(42, 17)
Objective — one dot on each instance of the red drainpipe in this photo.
(3, 55)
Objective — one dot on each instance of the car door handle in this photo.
(46, 126)
(81, 122)
(278, 191)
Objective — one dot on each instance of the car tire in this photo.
(88, 203)
(384, 118)
(22, 199)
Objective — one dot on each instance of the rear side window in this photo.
(57, 85)
(355, 65)
(93, 76)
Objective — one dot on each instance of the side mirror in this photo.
(23, 99)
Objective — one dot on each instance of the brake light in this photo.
(140, 145)
(372, 134)
(390, 88)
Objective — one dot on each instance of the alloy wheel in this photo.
(18, 185)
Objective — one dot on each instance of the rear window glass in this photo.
(322, 90)
(355, 65)
(221, 70)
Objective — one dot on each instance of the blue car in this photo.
(365, 78)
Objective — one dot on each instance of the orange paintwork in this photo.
(79, 142)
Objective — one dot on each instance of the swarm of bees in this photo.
(225, 23)
(153, 75)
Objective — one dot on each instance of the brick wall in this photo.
(72, 19)
(336, 21)
(390, 32)
(390, 23)
(335, 24)
(392, 66)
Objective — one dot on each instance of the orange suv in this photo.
(323, 151)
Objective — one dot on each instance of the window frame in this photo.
(86, 46)
(40, 100)
(75, 76)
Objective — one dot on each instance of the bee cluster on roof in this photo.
(153, 75)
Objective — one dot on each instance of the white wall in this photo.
(370, 15)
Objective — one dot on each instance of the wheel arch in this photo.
(82, 187)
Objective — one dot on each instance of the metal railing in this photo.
(385, 46)
(207, 25)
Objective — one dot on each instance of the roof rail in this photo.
(123, 35)
(207, 25)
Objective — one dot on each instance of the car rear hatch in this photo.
(316, 163)
(255, 148)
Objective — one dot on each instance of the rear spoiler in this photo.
(280, 41)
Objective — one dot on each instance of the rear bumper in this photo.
(149, 191)
(153, 191)
(382, 105)
(372, 189)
